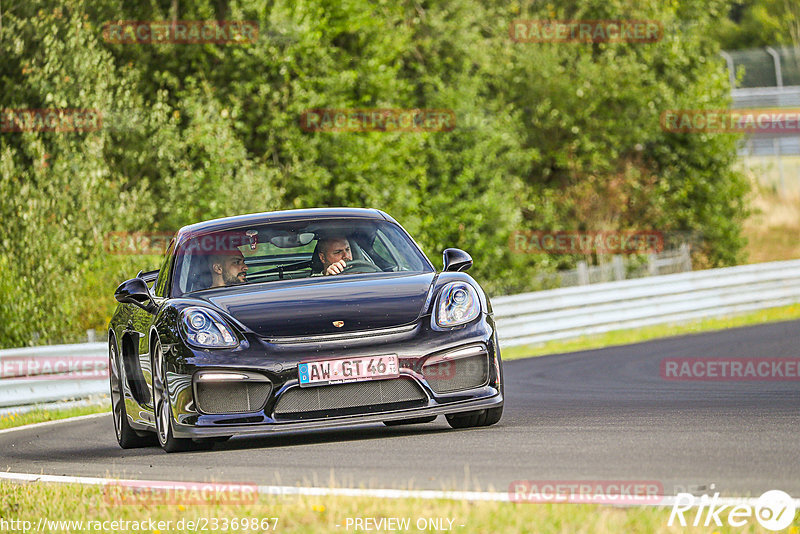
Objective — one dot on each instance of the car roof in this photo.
(281, 216)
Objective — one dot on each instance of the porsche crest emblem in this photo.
(338, 324)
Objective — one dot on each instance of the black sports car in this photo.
(299, 319)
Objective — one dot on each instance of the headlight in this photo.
(457, 304)
(205, 328)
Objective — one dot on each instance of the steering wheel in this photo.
(360, 266)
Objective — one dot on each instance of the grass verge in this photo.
(305, 514)
(625, 337)
(41, 415)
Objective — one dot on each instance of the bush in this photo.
(548, 136)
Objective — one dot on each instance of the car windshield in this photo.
(286, 251)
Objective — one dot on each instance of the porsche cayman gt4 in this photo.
(295, 320)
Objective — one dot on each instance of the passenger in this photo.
(227, 268)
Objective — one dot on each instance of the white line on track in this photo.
(668, 500)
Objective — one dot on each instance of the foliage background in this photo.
(548, 136)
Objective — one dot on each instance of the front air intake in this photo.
(449, 375)
(367, 395)
(224, 396)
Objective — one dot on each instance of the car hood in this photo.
(312, 306)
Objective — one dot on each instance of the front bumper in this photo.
(186, 431)
(278, 361)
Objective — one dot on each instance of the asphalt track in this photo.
(594, 415)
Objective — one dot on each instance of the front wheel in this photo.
(486, 417)
(127, 437)
(162, 407)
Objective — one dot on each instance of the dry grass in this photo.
(773, 230)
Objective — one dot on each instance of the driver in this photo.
(334, 253)
(228, 268)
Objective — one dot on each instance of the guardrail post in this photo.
(686, 258)
(731, 68)
(652, 266)
(583, 274)
(776, 59)
(619, 267)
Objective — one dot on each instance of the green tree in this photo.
(759, 23)
(547, 136)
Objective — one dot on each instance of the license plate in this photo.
(344, 370)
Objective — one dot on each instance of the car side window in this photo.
(163, 275)
(379, 248)
(385, 247)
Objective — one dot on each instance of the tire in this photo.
(127, 437)
(486, 417)
(162, 409)
(415, 421)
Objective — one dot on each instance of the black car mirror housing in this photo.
(135, 291)
(456, 260)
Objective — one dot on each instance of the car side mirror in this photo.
(134, 291)
(456, 260)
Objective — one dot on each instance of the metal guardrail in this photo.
(676, 260)
(764, 67)
(766, 97)
(59, 372)
(35, 375)
(771, 141)
(576, 311)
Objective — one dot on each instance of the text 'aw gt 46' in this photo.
(299, 319)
